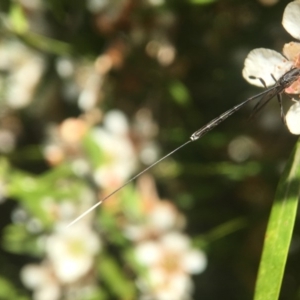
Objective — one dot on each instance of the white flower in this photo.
(24, 81)
(265, 66)
(160, 218)
(156, 216)
(72, 251)
(169, 262)
(115, 122)
(25, 68)
(42, 281)
(291, 19)
(263, 63)
(118, 152)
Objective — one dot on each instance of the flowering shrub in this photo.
(88, 153)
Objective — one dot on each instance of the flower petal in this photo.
(163, 216)
(34, 276)
(194, 262)
(175, 242)
(148, 253)
(290, 20)
(71, 251)
(293, 118)
(262, 63)
(69, 269)
(291, 51)
(48, 292)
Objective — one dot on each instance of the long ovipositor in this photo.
(264, 97)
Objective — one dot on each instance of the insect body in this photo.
(283, 82)
(264, 97)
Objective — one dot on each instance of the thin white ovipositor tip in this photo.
(84, 214)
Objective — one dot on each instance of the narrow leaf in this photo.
(279, 231)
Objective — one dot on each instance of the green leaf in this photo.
(180, 93)
(31, 191)
(46, 44)
(9, 292)
(94, 152)
(219, 232)
(201, 2)
(279, 231)
(115, 278)
(17, 239)
(18, 19)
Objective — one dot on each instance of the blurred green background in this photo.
(181, 62)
